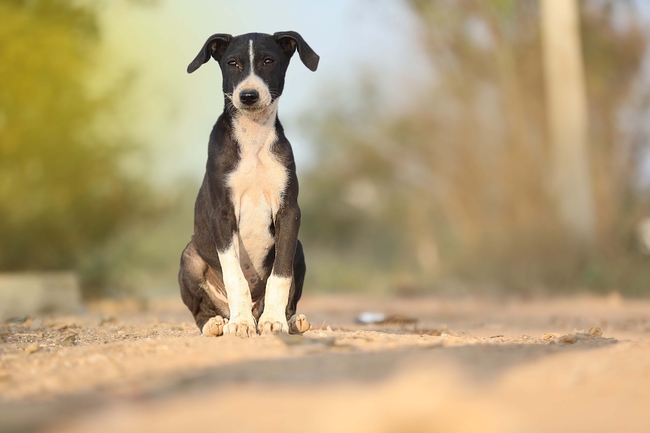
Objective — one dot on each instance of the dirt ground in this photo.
(580, 364)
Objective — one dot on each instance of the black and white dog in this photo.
(244, 268)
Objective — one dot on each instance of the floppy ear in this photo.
(215, 46)
(288, 41)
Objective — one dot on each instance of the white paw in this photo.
(270, 325)
(214, 326)
(298, 324)
(243, 327)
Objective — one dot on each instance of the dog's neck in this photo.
(256, 130)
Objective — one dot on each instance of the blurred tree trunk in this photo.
(567, 116)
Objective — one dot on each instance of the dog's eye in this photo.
(268, 62)
(233, 63)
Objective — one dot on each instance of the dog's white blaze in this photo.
(251, 54)
(239, 295)
(276, 299)
(252, 82)
(257, 185)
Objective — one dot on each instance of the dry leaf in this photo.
(596, 331)
(568, 339)
(550, 336)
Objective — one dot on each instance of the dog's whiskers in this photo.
(229, 106)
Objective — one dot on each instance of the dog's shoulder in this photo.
(223, 151)
(282, 147)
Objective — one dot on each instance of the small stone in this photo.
(32, 348)
(107, 319)
(36, 324)
(70, 340)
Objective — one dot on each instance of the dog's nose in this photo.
(249, 97)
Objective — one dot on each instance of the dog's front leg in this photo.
(242, 322)
(278, 285)
(223, 226)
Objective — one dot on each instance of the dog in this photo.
(244, 268)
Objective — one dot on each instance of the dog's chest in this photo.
(257, 185)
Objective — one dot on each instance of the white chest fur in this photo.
(257, 185)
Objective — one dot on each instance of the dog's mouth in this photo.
(259, 110)
(254, 109)
(255, 112)
(252, 96)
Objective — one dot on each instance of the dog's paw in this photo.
(241, 328)
(214, 326)
(270, 325)
(298, 324)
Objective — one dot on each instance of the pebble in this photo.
(70, 340)
(32, 348)
(36, 324)
(107, 319)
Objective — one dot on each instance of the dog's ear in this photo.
(215, 46)
(289, 41)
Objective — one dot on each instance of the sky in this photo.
(172, 113)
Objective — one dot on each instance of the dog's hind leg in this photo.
(214, 326)
(297, 322)
(210, 314)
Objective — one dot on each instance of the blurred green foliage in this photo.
(63, 190)
(451, 188)
(456, 186)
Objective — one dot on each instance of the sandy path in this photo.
(465, 365)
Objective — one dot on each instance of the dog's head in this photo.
(254, 65)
